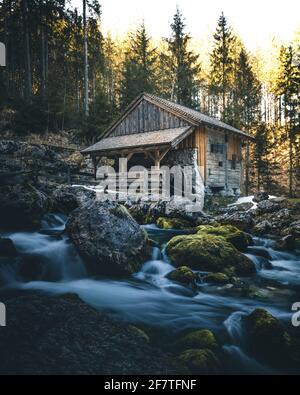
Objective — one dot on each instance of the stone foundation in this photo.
(187, 157)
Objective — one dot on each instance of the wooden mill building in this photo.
(155, 132)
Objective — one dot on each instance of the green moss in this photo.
(208, 253)
(203, 338)
(231, 234)
(140, 333)
(120, 211)
(200, 361)
(183, 275)
(270, 341)
(217, 278)
(172, 223)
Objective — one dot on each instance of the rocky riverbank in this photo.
(196, 260)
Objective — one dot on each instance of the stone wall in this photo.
(187, 157)
(220, 177)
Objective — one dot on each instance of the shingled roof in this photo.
(168, 137)
(194, 117)
(191, 114)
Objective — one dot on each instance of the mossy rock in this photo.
(140, 333)
(269, 340)
(231, 234)
(173, 223)
(217, 278)
(208, 253)
(183, 275)
(199, 339)
(200, 361)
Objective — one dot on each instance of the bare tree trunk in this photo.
(64, 106)
(28, 76)
(86, 66)
(290, 165)
(247, 169)
(43, 51)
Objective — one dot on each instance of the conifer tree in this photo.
(181, 64)
(222, 67)
(287, 89)
(139, 67)
(246, 93)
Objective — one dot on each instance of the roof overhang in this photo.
(139, 142)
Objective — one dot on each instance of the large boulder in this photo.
(22, 207)
(67, 198)
(269, 340)
(231, 234)
(240, 219)
(63, 335)
(108, 238)
(208, 253)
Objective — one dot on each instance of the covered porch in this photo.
(140, 149)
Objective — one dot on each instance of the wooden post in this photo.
(95, 164)
(226, 163)
(157, 159)
(247, 154)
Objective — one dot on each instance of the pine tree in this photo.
(222, 67)
(181, 64)
(260, 155)
(246, 93)
(139, 67)
(287, 89)
(111, 74)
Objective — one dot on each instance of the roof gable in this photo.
(145, 116)
(148, 113)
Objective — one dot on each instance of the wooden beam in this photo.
(96, 160)
(158, 157)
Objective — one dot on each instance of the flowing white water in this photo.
(149, 297)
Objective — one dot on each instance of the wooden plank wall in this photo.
(147, 117)
(197, 140)
(234, 147)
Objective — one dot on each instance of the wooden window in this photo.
(217, 148)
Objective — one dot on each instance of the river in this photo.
(149, 299)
